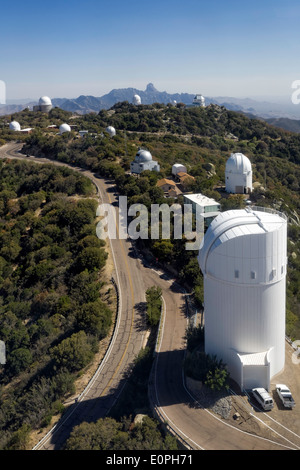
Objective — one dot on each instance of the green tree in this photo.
(94, 318)
(84, 287)
(20, 438)
(154, 304)
(73, 353)
(109, 434)
(163, 249)
(217, 379)
(102, 435)
(19, 360)
(92, 259)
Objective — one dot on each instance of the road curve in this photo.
(106, 385)
(196, 425)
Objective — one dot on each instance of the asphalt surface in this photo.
(196, 426)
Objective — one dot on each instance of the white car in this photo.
(263, 398)
(285, 396)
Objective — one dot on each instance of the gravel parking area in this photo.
(247, 416)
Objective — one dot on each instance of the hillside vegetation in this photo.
(200, 138)
(52, 312)
(193, 136)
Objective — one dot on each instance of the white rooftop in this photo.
(235, 223)
(208, 215)
(45, 100)
(178, 165)
(253, 359)
(238, 163)
(201, 199)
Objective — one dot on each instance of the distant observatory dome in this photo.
(143, 161)
(199, 100)
(238, 174)
(111, 131)
(45, 104)
(14, 126)
(137, 99)
(64, 128)
(143, 156)
(45, 100)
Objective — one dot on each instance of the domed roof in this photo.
(143, 156)
(111, 130)
(64, 128)
(223, 228)
(238, 163)
(14, 126)
(199, 98)
(137, 99)
(45, 101)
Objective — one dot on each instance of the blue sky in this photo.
(217, 48)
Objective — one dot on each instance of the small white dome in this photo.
(111, 131)
(14, 126)
(143, 156)
(45, 101)
(238, 163)
(137, 99)
(64, 128)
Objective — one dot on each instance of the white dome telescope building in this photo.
(14, 126)
(64, 128)
(137, 99)
(199, 100)
(238, 174)
(143, 161)
(44, 106)
(243, 259)
(111, 131)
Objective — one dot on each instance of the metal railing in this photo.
(268, 210)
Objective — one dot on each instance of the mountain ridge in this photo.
(283, 116)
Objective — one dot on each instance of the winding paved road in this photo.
(102, 392)
(169, 395)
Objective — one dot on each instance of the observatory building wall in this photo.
(243, 260)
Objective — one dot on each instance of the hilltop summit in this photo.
(150, 88)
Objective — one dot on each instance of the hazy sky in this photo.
(215, 47)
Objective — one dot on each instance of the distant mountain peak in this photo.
(151, 88)
(88, 103)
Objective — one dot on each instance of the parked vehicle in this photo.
(263, 398)
(285, 396)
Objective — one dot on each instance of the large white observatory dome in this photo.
(238, 163)
(137, 99)
(45, 100)
(64, 128)
(243, 261)
(45, 104)
(14, 126)
(238, 174)
(199, 100)
(143, 156)
(111, 131)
